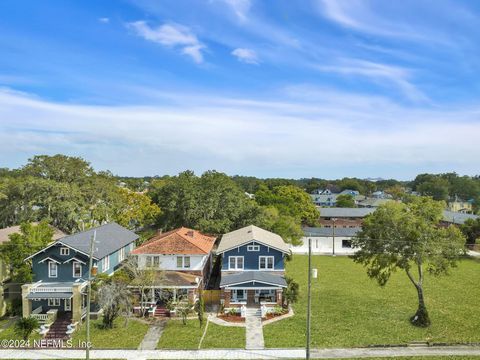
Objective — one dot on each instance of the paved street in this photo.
(241, 354)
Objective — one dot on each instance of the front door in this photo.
(68, 304)
(251, 298)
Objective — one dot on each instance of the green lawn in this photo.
(179, 336)
(349, 309)
(128, 337)
(224, 337)
(9, 333)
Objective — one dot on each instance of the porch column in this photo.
(227, 294)
(191, 296)
(26, 303)
(77, 303)
(279, 297)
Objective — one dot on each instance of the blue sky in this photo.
(325, 88)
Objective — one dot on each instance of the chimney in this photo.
(190, 233)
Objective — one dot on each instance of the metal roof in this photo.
(457, 217)
(253, 276)
(248, 234)
(345, 212)
(49, 295)
(109, 238)
(328, 232)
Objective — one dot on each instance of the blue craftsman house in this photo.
(60, 271)
(253, 267)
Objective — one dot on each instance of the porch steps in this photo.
(161, 312)
(254, 312)
(58, 330)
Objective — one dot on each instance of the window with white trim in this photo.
(183, 262)
(156, 261)
(235, 263)
(253, 247)
(266, 262)
(347, 244)
(52, 269)
(239, 295)
(121, 254)
(53, 302)
(77, 269)
(106, 263)
(64, 251)
(148, 261)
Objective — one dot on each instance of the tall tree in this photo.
(346, 201)
(408, 237)
(289, 200)
(136, 210)
(59, 168)
(29, 240)
(437, 188)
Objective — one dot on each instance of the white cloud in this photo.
(301, 133)
(398, 76)
(246, 55)
(104, 20)
(239, 7)
(171, 35)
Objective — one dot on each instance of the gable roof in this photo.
(109, 238)
(179, 241)
(4, 233)
(248, 234)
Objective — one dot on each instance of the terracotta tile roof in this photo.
(178, 241)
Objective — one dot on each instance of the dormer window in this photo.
(64, 251)
(253, 247)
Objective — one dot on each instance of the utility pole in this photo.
(333, 241)
(89, 293)
(309, 296)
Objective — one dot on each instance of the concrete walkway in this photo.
(254, 329)
(152, 336)
(241, 354)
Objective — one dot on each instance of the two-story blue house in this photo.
(60, 271)
(252, 267)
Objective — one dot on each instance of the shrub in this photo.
(25, 326)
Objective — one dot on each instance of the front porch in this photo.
(46, 301)
(173, 287)
(252, 289)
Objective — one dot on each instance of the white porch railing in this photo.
(45, 289)
(49, 317)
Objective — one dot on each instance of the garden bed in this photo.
(232, 318)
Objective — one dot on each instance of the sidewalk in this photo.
(241, 354)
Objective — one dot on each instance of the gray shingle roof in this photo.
(249, 276)
(250, 233)
(109, 238)
(328, 232)
(345, 212)
(456, 217)
(448, 216)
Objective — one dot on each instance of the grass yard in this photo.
(179, 336)
(218, 336)
(349, 309)
(9, 333)
(128, 337)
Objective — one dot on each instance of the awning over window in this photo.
(49, 295)
(253, 279)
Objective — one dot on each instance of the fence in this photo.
(211, 297)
